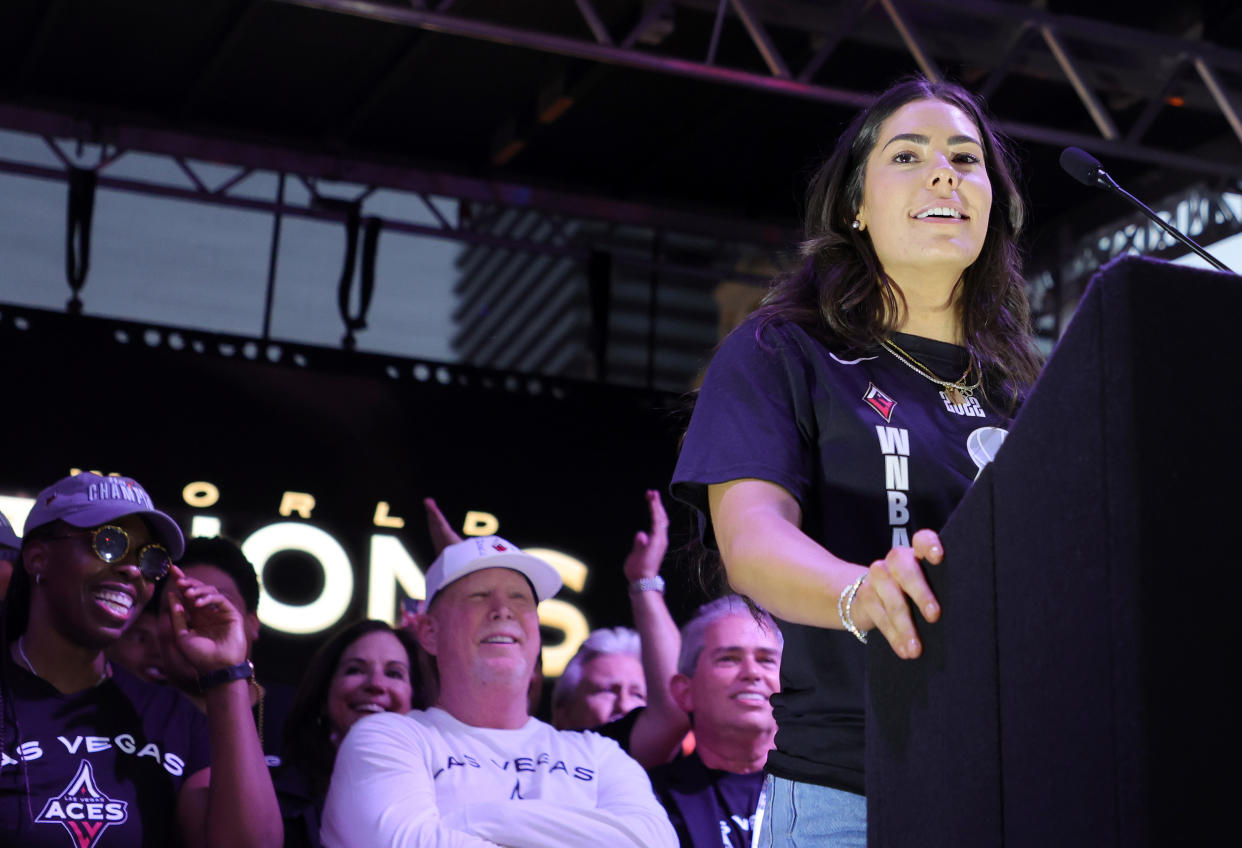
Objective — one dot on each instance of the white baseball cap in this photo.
(480, 552)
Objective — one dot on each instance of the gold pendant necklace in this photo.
(107, 672)
(957, 391)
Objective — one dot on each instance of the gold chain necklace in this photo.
(957, 391)
(107, 672)
(262, 695)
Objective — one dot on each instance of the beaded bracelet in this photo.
(845, 605)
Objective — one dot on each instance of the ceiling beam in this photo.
(275, 157)
(1145, 46)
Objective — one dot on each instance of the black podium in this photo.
(1082, 687)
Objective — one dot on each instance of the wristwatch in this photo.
(241, 671)
(647, 584)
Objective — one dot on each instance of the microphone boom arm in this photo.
(1085, 168)
(1109, 183)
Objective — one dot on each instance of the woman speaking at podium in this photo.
(849, 414)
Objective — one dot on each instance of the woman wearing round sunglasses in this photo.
(89, 749)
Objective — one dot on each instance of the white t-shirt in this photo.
(427, 779)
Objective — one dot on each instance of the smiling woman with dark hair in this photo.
(838, 427)
(365, 668)
(91, 750)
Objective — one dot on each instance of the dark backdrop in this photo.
(561, 465)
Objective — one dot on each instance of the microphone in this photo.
(1085, 168)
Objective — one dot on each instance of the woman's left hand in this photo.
(893, 584)
(207, 629)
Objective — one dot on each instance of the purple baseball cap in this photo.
(88, 500)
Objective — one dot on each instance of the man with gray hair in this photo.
(603, 682)
(728, 668)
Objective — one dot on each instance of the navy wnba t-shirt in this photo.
(872, 451)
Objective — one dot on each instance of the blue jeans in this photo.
(804, 815)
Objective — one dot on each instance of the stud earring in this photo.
(856, 224)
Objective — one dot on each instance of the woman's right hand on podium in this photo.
(884, 598)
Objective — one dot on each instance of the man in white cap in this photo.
(476, 769)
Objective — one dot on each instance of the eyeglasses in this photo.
(111, 543)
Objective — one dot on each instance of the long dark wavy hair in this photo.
(308, 745)
(841, 294)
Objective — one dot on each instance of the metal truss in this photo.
(479, 203)
(1044, 295)
(1123, 78)
(1108, 67)
(1202, 214)
(1205, 214)
(1102, 63)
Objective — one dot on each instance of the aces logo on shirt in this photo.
(83, 809)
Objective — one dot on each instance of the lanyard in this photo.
(757, 826)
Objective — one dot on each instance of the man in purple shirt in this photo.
(729, 667)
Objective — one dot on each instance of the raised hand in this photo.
(207, 629)
(647, 552)
(442, 533)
